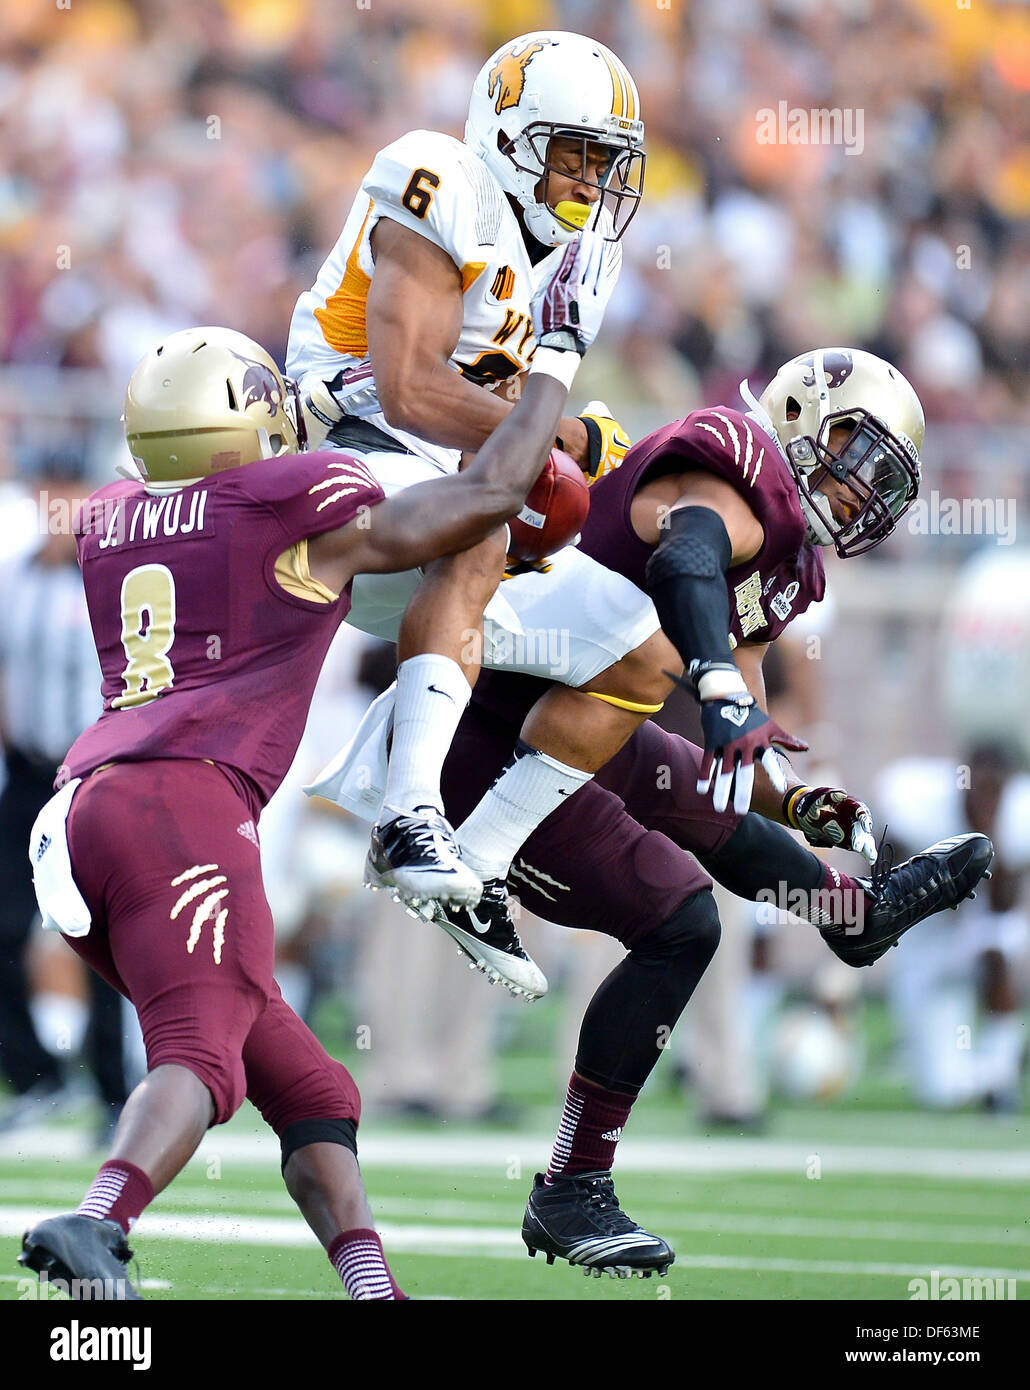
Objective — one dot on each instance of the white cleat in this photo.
(486, 934)
(416, 858)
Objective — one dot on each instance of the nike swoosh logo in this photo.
(481, 927)
(437, 691)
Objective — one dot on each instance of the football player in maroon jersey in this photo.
(720, 516)
(215, 583)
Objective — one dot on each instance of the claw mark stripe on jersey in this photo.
(351, 472)
(508, 75)
(749, 443)
(704, 425)
(206, 911)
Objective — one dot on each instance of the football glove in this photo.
(569, 307)
(831, 819)
(607, 441)
(736, 732)
(323, 404)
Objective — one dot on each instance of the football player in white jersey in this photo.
(423, 303)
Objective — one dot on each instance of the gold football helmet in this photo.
(204, 400)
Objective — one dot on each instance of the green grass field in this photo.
(847, 1201)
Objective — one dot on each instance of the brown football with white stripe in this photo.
(554, 511)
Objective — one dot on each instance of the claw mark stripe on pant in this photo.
(206, 910)
(538, 874)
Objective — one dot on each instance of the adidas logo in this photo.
(613, 1135)
(248, 832)
(44, 845)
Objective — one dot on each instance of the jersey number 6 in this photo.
(416, 198)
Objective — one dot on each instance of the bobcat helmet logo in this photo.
(837, 366)
(259, 384)
(508, 76)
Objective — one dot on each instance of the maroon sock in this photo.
(119, 1192)
(841, 900)
(357, 1256)
(591, 1126)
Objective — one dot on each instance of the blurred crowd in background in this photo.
(196, 158)
(167, 163)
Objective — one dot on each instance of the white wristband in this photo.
(563, 366)
(721, 685)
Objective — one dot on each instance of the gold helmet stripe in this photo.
(618, 87)
(632, 100)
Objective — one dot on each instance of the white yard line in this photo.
(668, 1220)
(483, 1243)
(498, 1152)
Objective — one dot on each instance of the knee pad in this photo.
(692, 927)
(299, 1133)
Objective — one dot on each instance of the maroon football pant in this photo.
(165, 855)
(614, 857)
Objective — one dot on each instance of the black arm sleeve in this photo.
(686, 578)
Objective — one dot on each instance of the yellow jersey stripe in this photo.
(342, 321)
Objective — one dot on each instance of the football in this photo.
(554, 511)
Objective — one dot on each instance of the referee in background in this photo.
(49, 693)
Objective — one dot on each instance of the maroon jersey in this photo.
(786, 575)
(782, 580)
(210, 632)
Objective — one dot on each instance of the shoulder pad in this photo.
(433, 184)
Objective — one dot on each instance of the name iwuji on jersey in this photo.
(210, 629)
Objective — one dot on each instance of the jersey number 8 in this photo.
(148, 631)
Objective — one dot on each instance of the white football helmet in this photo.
(552, 84)
(878, 463)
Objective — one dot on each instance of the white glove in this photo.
(569, 307)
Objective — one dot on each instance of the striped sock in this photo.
(119, 1192)
(357, 1257)
(590, 1128)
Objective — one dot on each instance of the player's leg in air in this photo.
(616, 860)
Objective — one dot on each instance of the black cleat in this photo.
(416, 857)
(930, 881)
(486, 934)
(579, 1219)
(88, 1256)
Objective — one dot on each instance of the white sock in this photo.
(432, 693)
(524, 795)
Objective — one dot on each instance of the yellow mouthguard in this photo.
(575, 213)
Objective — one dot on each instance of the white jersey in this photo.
(434, 185)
